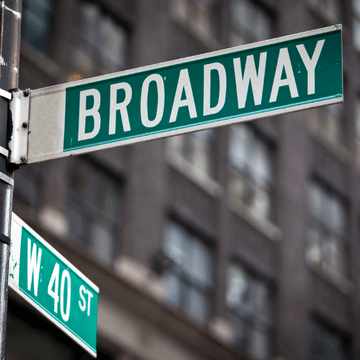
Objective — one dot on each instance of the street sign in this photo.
(52, 285)
(244, 83)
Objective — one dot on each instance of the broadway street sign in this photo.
(52, 285)
(238, 84)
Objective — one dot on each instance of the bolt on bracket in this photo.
(19, 126)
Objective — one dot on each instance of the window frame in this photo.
(94, 53)
(257, 136)
(187, 282)
(253, 322)
(90, 214)
(320, 227)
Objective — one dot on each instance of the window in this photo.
(99, 44)
(196, 152)
(328, 123)
(327, 343)
(198, 16)
(250, 303)
(250, 178)
(248, 22)
(94, 208)
(356, 24)
(329, 10)
(29, 185)
(36, 24)
(327, 229)
(188, 281)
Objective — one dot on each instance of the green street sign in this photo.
(44, 278)
(244, 83)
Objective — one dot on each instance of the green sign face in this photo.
(54, 286)
(231, 85)
(220, 88)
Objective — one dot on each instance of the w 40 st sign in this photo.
(220, 88)
(51, 284)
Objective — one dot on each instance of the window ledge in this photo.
(337, 149)
(140, 276)
(222, 329)
(271, 231)
(205, 182)
(41, 61)
(54, 221)
(341, 283)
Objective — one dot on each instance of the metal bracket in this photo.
(5, 94)
(6, 179)
(19, 117)
(4, 152)
(5, 239)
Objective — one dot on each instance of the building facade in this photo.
(235, 243)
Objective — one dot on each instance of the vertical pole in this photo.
(9, 77)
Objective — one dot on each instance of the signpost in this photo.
(238, 84)
(52, 285)
(220, 88)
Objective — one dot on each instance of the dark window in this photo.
(189, 280)
(328, 344)
(250, 302)
(327, 235)
(37, 17)
(100, 42)
(250, 181)
(94, 207)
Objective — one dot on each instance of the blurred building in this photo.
(235, 243)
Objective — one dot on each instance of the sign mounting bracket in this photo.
(20, 123)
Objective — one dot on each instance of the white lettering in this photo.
(283, 63)
(183, 84)
(53, 287)
(144, 100)
(93, 112)
(310, 64)
(250, 75)
(208, 110)
(33, 263)
(82, 305)
(65, 313)
(90, 295)
(115, 106)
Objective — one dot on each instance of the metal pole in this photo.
(10, 23)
